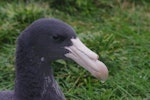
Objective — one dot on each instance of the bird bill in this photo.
(87, 59)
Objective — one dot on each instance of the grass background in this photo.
(118, 30)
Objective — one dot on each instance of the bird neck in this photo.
(34, 78)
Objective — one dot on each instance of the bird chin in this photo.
(87, 59)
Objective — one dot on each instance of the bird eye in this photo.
(56, 37)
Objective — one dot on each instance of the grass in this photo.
(120, 35)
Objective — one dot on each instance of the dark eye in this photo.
(58, 38)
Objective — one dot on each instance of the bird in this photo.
(37, 46)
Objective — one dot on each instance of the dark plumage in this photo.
(44, 41)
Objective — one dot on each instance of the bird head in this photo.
(53, 39)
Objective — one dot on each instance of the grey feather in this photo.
(6, 95)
